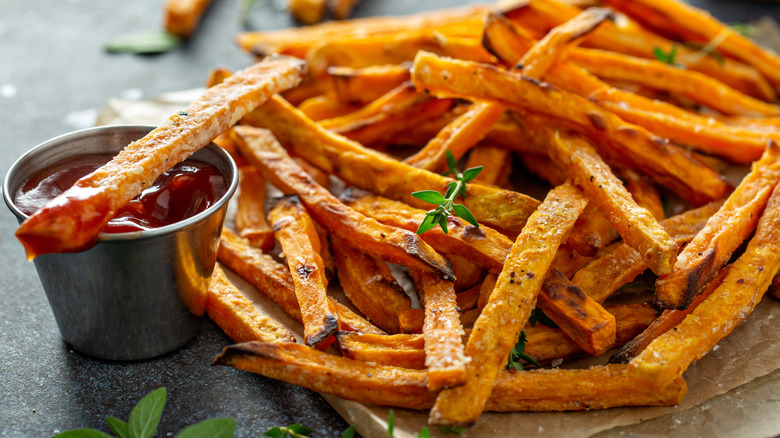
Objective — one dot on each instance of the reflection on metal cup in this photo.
(132, 295)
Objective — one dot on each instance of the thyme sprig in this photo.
(446, 205)
(518, 353)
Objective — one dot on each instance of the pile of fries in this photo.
(581, 97)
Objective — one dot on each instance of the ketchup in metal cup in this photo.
(185, 190)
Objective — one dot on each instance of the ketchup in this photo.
(185, 190)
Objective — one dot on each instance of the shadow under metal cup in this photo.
(133, 295)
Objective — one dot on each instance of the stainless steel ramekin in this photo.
(133, 295)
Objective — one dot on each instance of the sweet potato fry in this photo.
(74, 219)
(644, 193)
(370, 286)
(467, 274)
(307, 11)
(325, 107)
(496, 165)
(341, 9)
(237, 316)
(411, 321)
(665, 163)
(372, 171)
(591, 232)
(657, 75)
(691, 24)
(365, 85)
(482, 246)
(665, 322)
(182, 16)
(736, 143)
(297, 42)
(701, 259)
(631, 39)
(577, 315)
(458, 136)
(250, 210)
(534, 390)
(274, 281)
(442, 333)
(510, 305)
(400, 109)
(543, 343)
(468, 299)
(635, 224)
(389, 243)
(542, 55)
(669, 355)
(300, 243)
(608, 273)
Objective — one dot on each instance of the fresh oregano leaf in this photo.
(118, 426)
(462, 212)
(429, 196)
(390, 422)
(453, 429)
(213, 428)
(349, 432)
(145, 416)
(470, 174)
(143, 43)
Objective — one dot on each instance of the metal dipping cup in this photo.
(133, 295)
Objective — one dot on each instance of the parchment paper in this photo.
(733, 391)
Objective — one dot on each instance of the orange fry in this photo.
(300, 243)
(250, 210)
(237, 316)
(510, 305)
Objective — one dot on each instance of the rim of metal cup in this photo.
(9, 192)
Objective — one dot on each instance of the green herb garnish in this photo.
(743, 29)
(296, 430)
(457, 430)
(143, 43)
(667, 58)
(518, 353)
(446, 204)
(538, 315)
(144, 419)
(348, 432)
(390, 422)
(424, 433)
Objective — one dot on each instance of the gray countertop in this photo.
(54, 76)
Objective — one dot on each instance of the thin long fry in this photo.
(182, 16)
(690, 84)
(691, 24)
(74, 218)
(592, 232)
(364, 85)
(496, 165)
(380, 174)
(665, 322)
(442, 333)
(274, 281)
(389, 243)
(543, 343)
(711, 249)
(250, 210)
(631, 39)
(342, 9)
(325, 107)
(510, 305)
(237, 316)
(458, 136)
(297, 42)
(644, 193)
(669, 355)
(300, 243)
(370, 286)
(467, 274)
(534, 390)
(636, 225)
(666, 164)
(608, 273)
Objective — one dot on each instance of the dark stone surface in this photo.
(52, 68)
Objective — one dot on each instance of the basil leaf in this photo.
(349, 432)
(212, 428)
(117, 426)
(82, 433)
(145, 416)
(143, 43)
